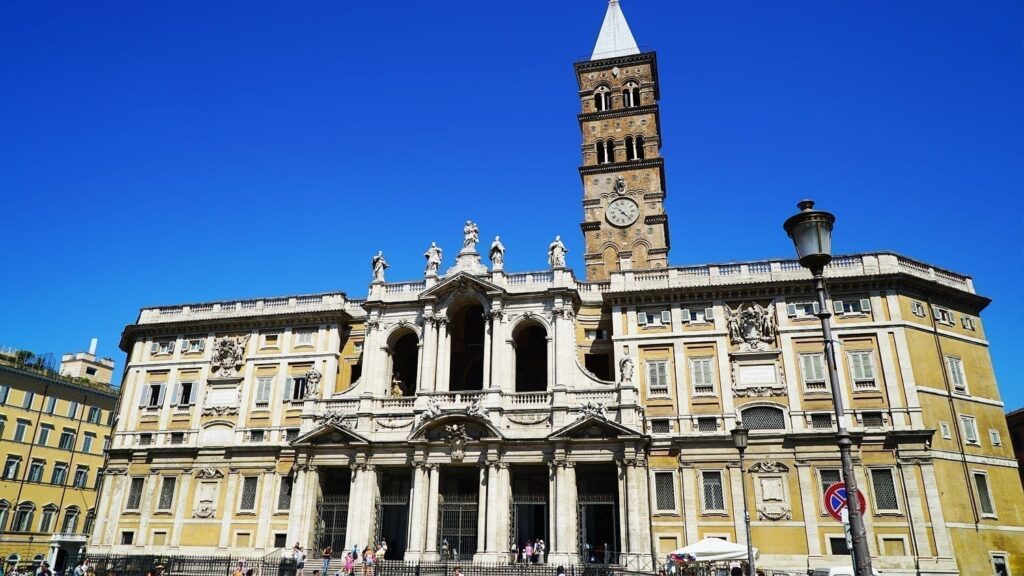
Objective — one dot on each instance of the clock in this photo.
(622, 212)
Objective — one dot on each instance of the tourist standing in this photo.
(326, 555)
(300, 559)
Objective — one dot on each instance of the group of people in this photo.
(599, 554)
(83, 568)
(370, 557)
(532, 552)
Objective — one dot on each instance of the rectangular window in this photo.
(653, 318)
(193, 345)
(943, 315)
(94, 415)
(303, 337)
(661, 427)
(27, 400)
(970, 429)
(185, 395)
(263, 387)
(271, 340)
(291, 434)
(837, 546)
(703, 377)
(88, 441)
(127, 537)
(155, 395)
(51, 405)
(177, 438)
(248, 501)
(73, 410)
(917, 309)
(821, 421)
(296, 389)
(984, 496)
(967, 322)
(257, 436)
(166, 493)
(1000, 564)
(67, 440)
(46, 520)
(994, 437)
(135, 494)
(884, 486)
(60, 474)
(707, 424)
(36, 470)
(20, 430)
(800, 310)
(145, 439)
(862, 368)
(44, 434)
(657, 377)
(284, 495)
(5, 391)
(852, 306)
(698, 315)
(598, 334)
(955, 367)
(812, 366)
(828, 476)
(280, 540)
(81, 476)
(714, 496)
(11, 467)
(665, 491)
(873, 419)
(944, 430)
(162, 347)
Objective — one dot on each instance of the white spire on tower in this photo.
(615, 38)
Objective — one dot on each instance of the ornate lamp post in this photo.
(739, 439)
(811, 231)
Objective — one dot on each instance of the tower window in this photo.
(602, 99)
(631, 95)
(634, 148)
(609, 151)
(600, 152)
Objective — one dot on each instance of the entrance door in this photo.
(457, 528)
(332, 522)
(529, 520)
(598, 529)
(393, 524)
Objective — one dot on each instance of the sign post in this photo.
(835, 501)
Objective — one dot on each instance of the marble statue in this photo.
(313, 377)
(396, 387)
(379, 265)
(556, 253)
(620, 185)
(497, 253)
(433, 256)
(626, 369)
(472, 236)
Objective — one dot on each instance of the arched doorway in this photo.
(404, 349)
(467, 349)
(531, 345)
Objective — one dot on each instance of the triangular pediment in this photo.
(593, 426)
(330, 433)
(461, 281)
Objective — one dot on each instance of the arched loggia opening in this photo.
(467, 349)
(404, 347)
(531, 348)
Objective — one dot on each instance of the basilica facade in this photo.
(467, 412)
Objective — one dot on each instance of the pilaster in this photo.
(430, 547)
(228, 510)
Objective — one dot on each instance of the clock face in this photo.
(622, 212)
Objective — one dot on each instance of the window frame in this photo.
(285, 481)
(47, 518)
(36, 464)
(802, 358)
(654, 318)
(995, 438)
(297, 343)
(955, 370)
(673, 482)
(663, 390)
(160, 495)
(14, 459)
(964, 419)
(84, 472)
(993, 554)
(917, 309)
(59, 469)
(704, 509)
(257, 392)
(255, 494)
(693, 361)
(893, 476)
(44, 430)
(868, 354)
(943, 315)
(796, 310)
(697, 315)
(137, 506)
(994, 513)
(862, 307)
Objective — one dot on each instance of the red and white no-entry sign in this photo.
(835, 501)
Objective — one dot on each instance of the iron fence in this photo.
(175, 565)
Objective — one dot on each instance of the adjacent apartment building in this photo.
(464, 413)
(54, 427)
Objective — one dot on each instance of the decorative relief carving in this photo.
(228, 355)
(433, 411)
(527, 421)
(208, 473)
(220, 410)
(626, 370)
(456, 438)
(394, 424)
(334, 418)
(313, 378)
(477, 410)
(768, 467)
(592, 408)
(752, 328)
(115, 471)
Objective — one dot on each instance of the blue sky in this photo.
(156, 153)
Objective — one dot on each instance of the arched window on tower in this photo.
(609, 151)
(602, 99)
(599, 145)
(638, 152)
(631, 94)
(630, 150)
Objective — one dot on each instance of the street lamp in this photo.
(739, 439)
(811, 231)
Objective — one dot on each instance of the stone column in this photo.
(496, 503)
(908, 474)
(298, 496)
(554, 502)
(643, 546)
(430, 546)
(417, 512)
(943, 542)
(565, 500)
(482, 505)
(228, 513)
(443, 355)
(632, 507)
(501, 524)
(488, 344)
(428, 368)
(266, 505)
(150, 494)
(809, 498)
(736, 490)
(571, 510)
(691, 501)
(184, 492)
(623, 487)
(361, 505)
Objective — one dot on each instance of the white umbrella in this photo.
(715, 549)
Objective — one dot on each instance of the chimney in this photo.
(92, 346)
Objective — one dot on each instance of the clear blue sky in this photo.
(155, 153)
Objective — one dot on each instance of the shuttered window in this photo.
(657, 377)
(862, 368)
(956, 374)
(702, 376)
(812, 366)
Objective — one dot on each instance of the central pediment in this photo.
(460, 282)
(593, 427)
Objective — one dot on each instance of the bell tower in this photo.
(624, 221)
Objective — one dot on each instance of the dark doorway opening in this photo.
(531, 344)
(393, 512)
(467, 349)
(457, 512)
(404, 359)
(332, 508)
(529, 508)
(597, 490)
